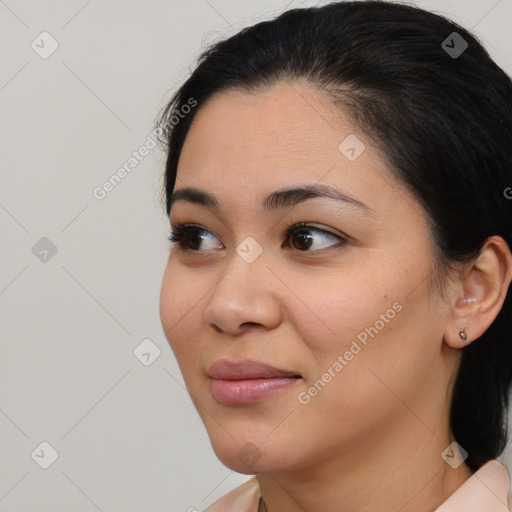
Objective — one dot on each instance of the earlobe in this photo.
(463, 335)
(481, 293)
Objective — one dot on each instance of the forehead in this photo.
(242, 146)
(281, 122)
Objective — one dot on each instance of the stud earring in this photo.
(462, 335)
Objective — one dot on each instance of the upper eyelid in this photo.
(313, 227)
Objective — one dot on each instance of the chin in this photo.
(232, 462)
(250, 458)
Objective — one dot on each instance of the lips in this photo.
(246, 369)
(247, 382)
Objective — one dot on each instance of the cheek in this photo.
(167, 303)
(335, 310)
(384, 367)
(179, 307)
(380, 334)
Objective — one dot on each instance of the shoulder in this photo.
(485, 491)
(244, 498)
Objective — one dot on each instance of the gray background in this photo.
(126, 433)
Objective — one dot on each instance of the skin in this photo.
(374, 435)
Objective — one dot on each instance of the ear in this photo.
(480, 294)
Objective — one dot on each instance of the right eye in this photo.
(189, 237)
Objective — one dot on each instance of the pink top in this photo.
(485, 491)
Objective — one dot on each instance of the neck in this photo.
(406, 473)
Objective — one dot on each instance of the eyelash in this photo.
(180, 235)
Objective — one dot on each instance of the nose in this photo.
(244, 295)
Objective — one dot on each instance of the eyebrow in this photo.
(277, 200)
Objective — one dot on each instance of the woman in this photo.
(336, 290)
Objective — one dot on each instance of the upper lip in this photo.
(246, 369)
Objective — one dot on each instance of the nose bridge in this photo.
(247, 266)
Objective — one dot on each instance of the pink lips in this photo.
(247, 381)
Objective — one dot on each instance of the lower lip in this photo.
(236, 392)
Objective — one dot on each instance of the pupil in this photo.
(195, 240)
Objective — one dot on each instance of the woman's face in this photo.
(343, 302)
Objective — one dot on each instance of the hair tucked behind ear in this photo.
(444, 123)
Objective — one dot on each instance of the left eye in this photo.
(302, 234)
(190, 236)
